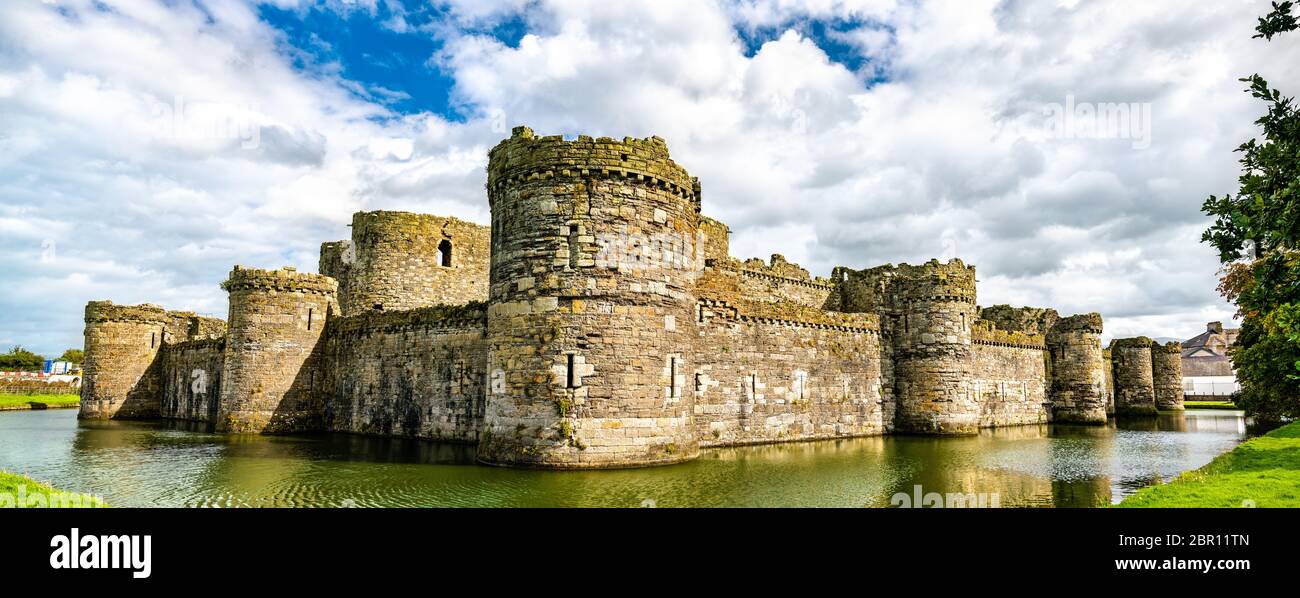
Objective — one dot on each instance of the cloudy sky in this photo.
(146, 145)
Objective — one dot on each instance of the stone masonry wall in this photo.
(593, 262)
(929, 312)
(272, 356)
(1167, 375)
(1008, 383)
(420, 373)
(771, 370)
(191, 375)
(1134, 388)
(121, 373)
(1078, 379)
(398, 261)
(779, 280)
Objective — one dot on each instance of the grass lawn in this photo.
(38, 401)
(1264, 470)
(1209, 405)
(19, 490)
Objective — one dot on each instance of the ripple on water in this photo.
(150, 464)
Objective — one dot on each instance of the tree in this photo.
(1257, 234)
(73, 355)
(22, 360)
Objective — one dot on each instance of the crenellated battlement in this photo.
(470, 315)
(526, 157)
(986, 332)
(107, 311)
(285, 279)
(1089, 323)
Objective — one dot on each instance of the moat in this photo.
(161, 464)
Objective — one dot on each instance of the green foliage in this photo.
(1264, 471)
(38, 401)
(38, 495)
(76, 356)
(20, 359)
(1257, 233)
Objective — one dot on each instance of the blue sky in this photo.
(147, 146)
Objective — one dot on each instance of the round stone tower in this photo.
(1134, 389)
(934, 310)
(120, 374)
(270, 373)
(1078, 386)
(1167, 375)
(594, 255)
(400, 260)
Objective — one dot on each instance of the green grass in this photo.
(1209, 405)
(37, 401)
(22, 491)
(1261, 472)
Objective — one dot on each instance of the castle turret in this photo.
(1134, 389)
(400, 260)
(933, 310)
(590, 318)
(1077, 389)
(120, 374)
(271, 359)
(1167, 375)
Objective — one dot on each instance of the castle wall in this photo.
(780, 281)
(762, 378)
(1008, 383)
(418, 373)
(1134, 384)
(397, 261)
(593, 262)
(121, 374)
(1078, 390)
(1167, 375)
(272, 356)
(191, 375)
(929, 311)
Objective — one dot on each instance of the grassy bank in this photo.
(8, 402)
(22, 491)
(1261, 472)
(1209, 405)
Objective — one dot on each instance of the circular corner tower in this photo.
(932, 346)
(1078, 385)
(1134, 388)
(1167, 375)
(594, 255)
(120, 375)
(270, 373)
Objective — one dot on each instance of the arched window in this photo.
(444, 253)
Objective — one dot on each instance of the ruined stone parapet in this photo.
(931, 309)
(985, 332)
(270, 369)
(120, 375)
(717, 239)
(470, 315)
(1134, 386)
(1167, 375)
(1108, 368)
(1029, 320)
(594, 259)
(1077, 385)
(400, 260)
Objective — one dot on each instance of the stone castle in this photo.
(601, 322)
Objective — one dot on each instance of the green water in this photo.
(160, 464)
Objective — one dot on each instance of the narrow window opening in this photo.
(571, 381)
(963, 321)
(444, 253)
(699, 382)
(672, 377)
(753, 386)
(905, 324)
(311, 312)
(153, 339)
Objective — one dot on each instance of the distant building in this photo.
(1207, 369)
